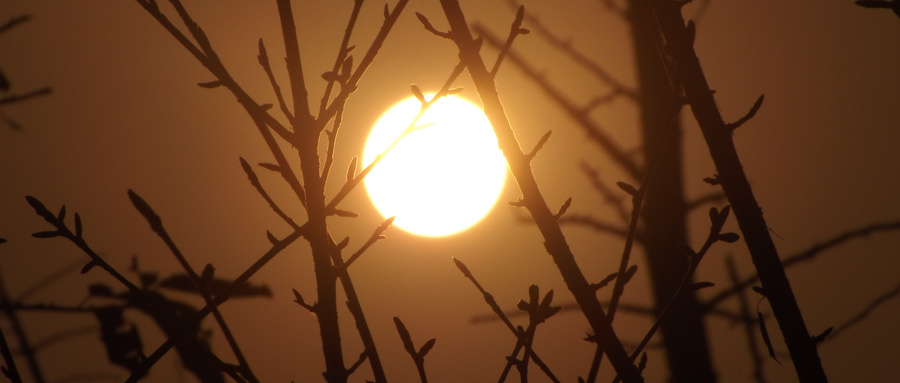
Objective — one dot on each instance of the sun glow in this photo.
(444, 175)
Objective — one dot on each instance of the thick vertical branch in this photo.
(665, 211)
(532, 199)
(718, 136)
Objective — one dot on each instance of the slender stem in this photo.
(718, 136)
(520, 167)
(294, 65)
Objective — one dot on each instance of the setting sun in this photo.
(444, 175)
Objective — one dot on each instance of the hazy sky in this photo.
(126, 113)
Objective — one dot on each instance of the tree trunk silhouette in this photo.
(665, 210)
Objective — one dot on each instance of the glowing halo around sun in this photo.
(444, 175)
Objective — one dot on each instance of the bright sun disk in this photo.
(442, 177)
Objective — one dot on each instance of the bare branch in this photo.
(594, 131)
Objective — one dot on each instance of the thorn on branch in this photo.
(714, 180)
(538, 146)
(756, 105)
(429, 27)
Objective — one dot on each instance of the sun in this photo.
(443, 175)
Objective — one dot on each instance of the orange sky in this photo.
(126, 113)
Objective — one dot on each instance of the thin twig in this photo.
(22, 97)
(806, 255)
(878, 301)
(554, 240)
(156, 225)
(566, 47)
(595, 132)
(749, 324)
(9, 24)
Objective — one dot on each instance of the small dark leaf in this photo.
(340, 246)
(564, 207)
(387, 11)
(548, 299)
(417, 92)
(701, 285)
(765, 336)
(77, 225)
(207, 275)
(713, 214)
(347, 67)
(424, 21)
(2, 240)
(426, 347)
(711, 180)
(723, 215)
(821, 337)
(265, 107)
(729, 237)
(62, 213)
(351, 170)
(148, 279)
(524, 31)
(609, 278)
(263, 57)
(121, 339)
(100, 290)
(271, 237)
(46, 234)
(268, 166)
(87, 267)
(462, 267)
(522, 305)
(643, 363)
(533, 297)
(759, 290)
(627, 188)
(691, 31)
(404, 336)
(331, 77)
(629, 273)
(210, 84)
(38, 206)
